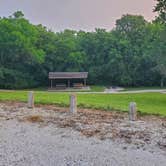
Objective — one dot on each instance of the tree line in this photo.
(131, 54)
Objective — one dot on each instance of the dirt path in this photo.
(51, 136)
(141, 91)
(111, 91)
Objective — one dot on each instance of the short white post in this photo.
(31, 100)
(73, 103)
(132, 111)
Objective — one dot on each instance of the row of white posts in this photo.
(73, 105)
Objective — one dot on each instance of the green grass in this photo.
(95, 88)
(148, 103)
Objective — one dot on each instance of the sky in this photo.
(86, 15)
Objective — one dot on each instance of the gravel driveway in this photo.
(23, 143)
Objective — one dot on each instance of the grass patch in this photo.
(34, 118)
(148, 103)
(95, 88)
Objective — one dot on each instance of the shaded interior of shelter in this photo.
(65, 80)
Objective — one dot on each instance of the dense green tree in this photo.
(18, 51)
(18, 14)
(131, 31)
(159, 52)
(160, 8)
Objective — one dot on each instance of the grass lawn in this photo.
(148, 103)
(95, 88)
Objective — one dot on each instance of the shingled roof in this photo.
(67, 75)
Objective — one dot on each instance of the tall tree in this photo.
(18, 14)
(160, 54)
(131, 29)
(19, 55)
(160, 8)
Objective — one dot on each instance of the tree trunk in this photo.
(162, 82)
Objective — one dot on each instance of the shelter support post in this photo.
(51, 83)
(84, 81)
(68, 83)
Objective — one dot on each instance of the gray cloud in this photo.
(77, 14)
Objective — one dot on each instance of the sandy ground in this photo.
(49, 136)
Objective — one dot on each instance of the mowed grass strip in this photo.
(148, 103)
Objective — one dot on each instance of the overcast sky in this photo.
(77, 14)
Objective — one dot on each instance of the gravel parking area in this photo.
(49, 136)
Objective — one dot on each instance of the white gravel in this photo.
(27, 144)
(23, 143)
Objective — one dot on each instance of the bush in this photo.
(13, 79)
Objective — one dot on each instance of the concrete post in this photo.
(132, 111)
(73, 103)
(31, 100)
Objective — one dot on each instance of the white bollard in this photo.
(73, 103)
(132, 111)
(31, 100)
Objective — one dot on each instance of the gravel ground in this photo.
(49, 136)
